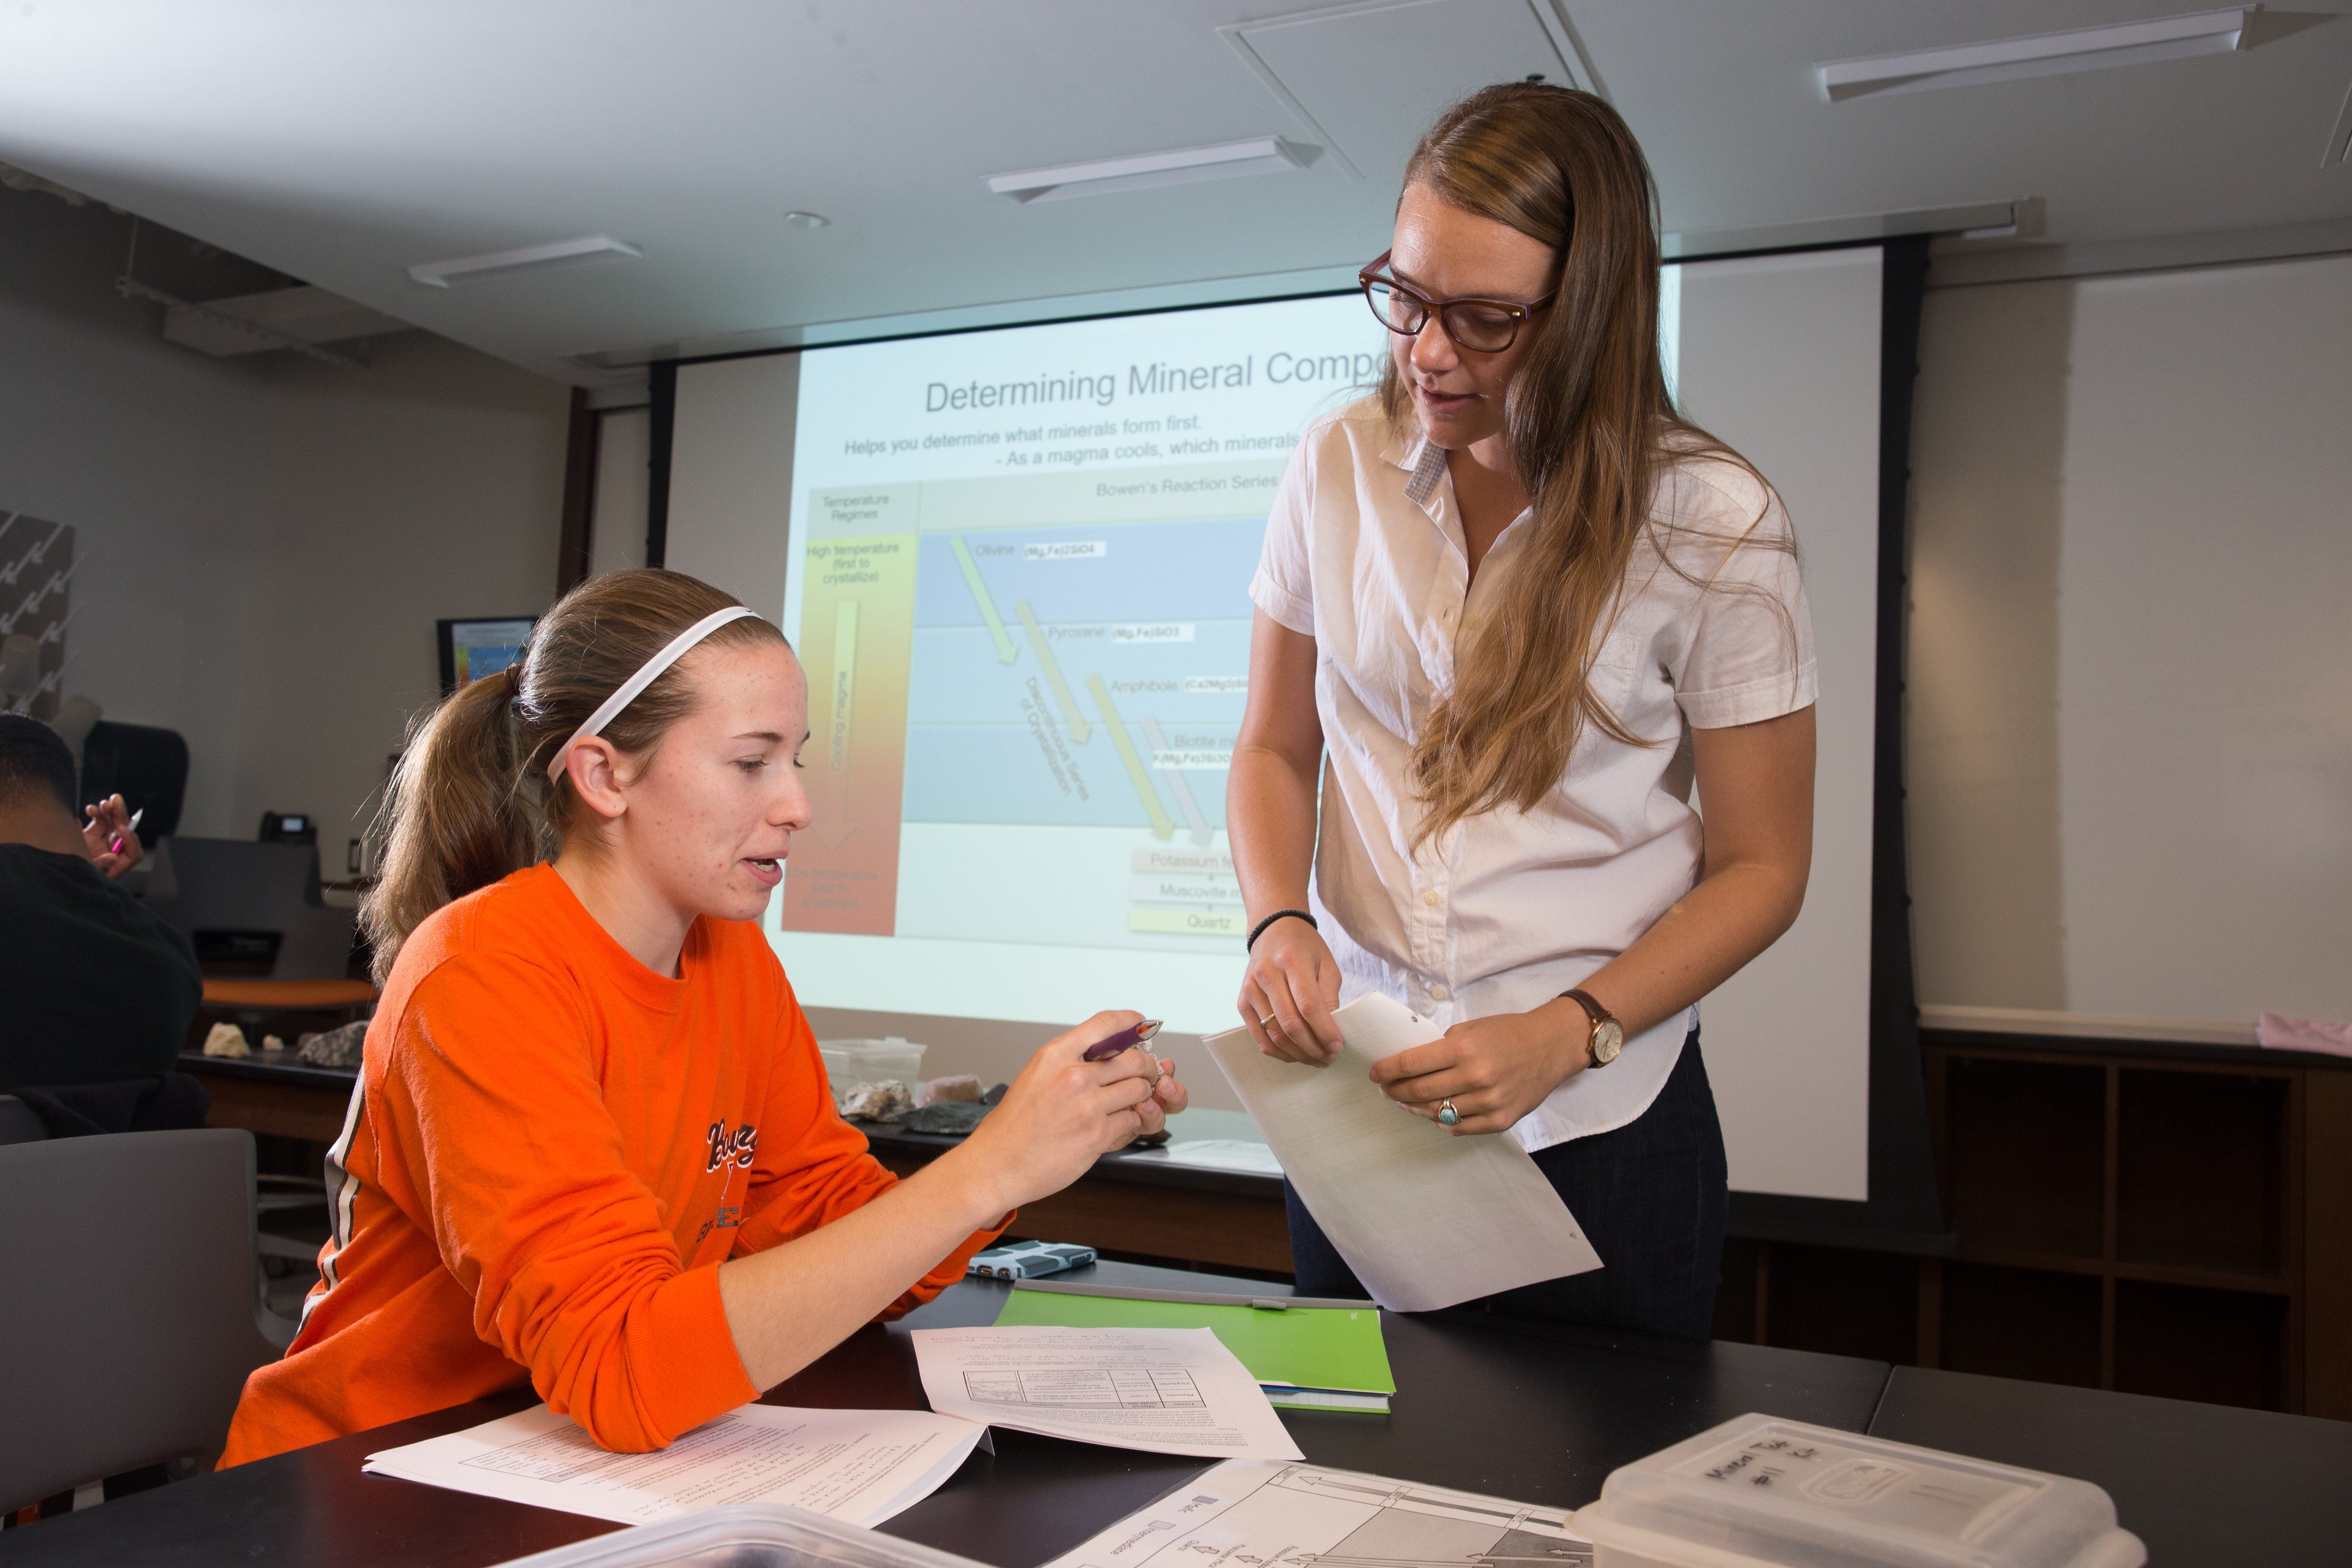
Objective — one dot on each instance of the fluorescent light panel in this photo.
(1226, 160)
(2045, 54)
(529, 257)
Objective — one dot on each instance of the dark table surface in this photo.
(1538, 1415)
(2199, 1483)
(1140, 1166)
(1533, 1413)
(270, 1066)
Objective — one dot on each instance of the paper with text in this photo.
(1165, 1390)
(1303, 1516)
(858, 1466)
(1426, 1219)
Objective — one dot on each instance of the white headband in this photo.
(633, 687)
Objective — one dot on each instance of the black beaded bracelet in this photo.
(1258, 929)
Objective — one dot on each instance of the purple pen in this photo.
(1104, 1049)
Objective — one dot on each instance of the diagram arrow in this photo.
(1162, 826)
(1006, 652)
(1080, 731)
(834, 827)
(1198, 824)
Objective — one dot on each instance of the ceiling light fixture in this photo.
(1226, 160)
(526, 259)
(799, 219)
(2045, 54)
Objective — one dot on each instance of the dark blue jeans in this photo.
(1652, 1197)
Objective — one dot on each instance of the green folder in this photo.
(1330, 1353)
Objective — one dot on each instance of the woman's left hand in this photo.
(1495, 1070)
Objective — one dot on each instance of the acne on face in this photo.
(721, 794)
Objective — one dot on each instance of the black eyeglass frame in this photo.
(1520, 311)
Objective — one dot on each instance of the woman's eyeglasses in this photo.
(1482, 326)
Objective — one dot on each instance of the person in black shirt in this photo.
(93, 988)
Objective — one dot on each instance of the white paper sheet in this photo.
(1426, 1219)
(859, 1465)
(1165, 1390)
(1300, 1516)
(1218, 1154)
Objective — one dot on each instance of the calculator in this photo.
(1027, 1260)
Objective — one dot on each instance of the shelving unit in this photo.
(2172, 1220)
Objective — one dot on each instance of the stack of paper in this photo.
(1306, 1353)
(1164, 1391)
(1239, 1154)
(1305, 1516)
(860, 1466)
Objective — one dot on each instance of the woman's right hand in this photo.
(1288, 991)
(1063, 1112)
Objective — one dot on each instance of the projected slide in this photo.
(1021, 564)
(1015, 563)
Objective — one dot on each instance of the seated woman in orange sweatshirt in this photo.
(592, 1146)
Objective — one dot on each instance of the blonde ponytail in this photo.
(469, 801)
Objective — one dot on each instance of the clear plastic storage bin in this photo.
(747, 1535)
(849, 1063)
(1760, 1492)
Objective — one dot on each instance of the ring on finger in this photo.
(1270, 1024)
(1446, 1114)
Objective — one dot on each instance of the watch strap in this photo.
(1592, 1005)
(1598, 1017)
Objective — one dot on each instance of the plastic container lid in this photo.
(746, 1535)
(887, 1061)
(1760, 1491)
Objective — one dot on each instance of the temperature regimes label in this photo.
(1030, 651)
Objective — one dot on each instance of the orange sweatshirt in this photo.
(549, 1150)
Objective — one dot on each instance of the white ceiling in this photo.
(340, 140)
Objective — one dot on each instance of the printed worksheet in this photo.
(1165, 1390)
(858, 1466)
(1249, 1514)
(1424, 1218)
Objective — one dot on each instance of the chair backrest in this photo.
(235, 897)
(127, 1304)
(148, 767)
(20, 1123)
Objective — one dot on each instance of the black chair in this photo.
(128, 1341)
(20, 1123)
(146, 766)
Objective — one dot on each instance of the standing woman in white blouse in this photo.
(1511, 611)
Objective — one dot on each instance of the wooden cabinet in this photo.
(2172, 1220)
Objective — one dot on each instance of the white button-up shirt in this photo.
(1364, 552)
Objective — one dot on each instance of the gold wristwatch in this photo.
(1608, 1035)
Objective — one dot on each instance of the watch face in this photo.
(1607, 1041)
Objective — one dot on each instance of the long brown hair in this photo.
(1589, 425)
(470, 801)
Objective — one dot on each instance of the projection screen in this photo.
(1014, 563)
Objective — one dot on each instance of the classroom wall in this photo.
(2130, 716)
(265, 542)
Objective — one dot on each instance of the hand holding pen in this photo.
(1129, 1038)
(1067, 1107)
(112, 835)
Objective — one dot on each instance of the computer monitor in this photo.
(250, 909)
(473, 648)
